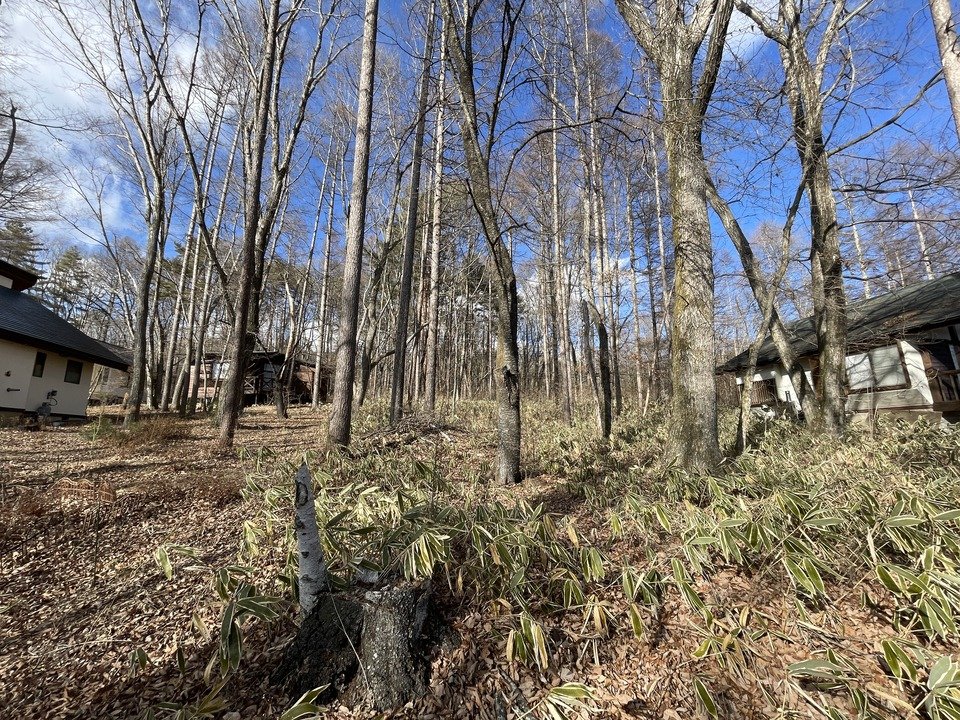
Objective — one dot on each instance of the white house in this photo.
(903, 353)
(46, 364)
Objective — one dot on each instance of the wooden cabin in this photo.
(262, 377)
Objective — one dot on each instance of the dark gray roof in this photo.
(24, 320)
(873, 322)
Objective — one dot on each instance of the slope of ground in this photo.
(811, 578)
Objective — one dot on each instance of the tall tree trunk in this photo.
(342, 409)
(858, 247)
(324, 293)
(410, 230)
(945, 29)
(139, 369)
(599, 375)
(921, 238)
(804, 71)
(559, 288)
(829, 299)
(433, 312)
(502, 278)
(254, 150)
(693, 408)
(673, 43)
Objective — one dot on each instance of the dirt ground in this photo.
(90, 626)
(79, 521)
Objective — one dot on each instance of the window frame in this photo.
(40, 360)
(904, 372)
(72, 365)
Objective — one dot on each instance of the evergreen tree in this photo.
(19, 246)
(65, 292)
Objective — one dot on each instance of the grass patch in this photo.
(152, 430)
(811, 576)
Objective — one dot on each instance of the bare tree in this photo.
(945, 29)
(808, 92)
(265, 136)
(433, 300)
(459, 25)
(342, 410)
(672, 38)
(122, 73)
(410, 227)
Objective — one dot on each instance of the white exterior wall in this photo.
(21, 391)
(5, 281)
(915, 396)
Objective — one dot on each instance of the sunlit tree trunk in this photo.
(433, 311)
(672, 40)
(342, 408)
(948, 42)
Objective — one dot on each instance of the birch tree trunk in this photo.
(313, 569)
(433, 311)
(342, 410)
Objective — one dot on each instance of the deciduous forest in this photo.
(479, 359)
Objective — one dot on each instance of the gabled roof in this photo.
(24, 320)
(873, 322)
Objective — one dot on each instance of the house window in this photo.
(763, 392)
(880, 368)
(74, 370)
(39, 364)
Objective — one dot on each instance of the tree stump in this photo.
(393, 668)
(323, 653)
(368, 648)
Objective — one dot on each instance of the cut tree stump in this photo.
(367, 647)
(322, 653)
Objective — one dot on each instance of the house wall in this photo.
(5, 281)
(21, 391)
(785, 389)
(915, 396)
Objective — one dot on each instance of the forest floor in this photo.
(812, 577)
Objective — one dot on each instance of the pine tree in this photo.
(19, 246)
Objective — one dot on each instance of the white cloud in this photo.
(60, 97)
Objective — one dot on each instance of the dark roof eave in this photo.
(770, 356)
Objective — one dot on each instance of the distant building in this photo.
(262, 377)
(46, 364)
(903, 353)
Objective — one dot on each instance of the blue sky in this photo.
(905, 26)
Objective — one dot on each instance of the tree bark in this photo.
(804, 72)
(601, 374)
(672, 41)
(410, 230)
(945, 29)
(254, 150)
(312, 568)
(342, 410)
(503, 281)
(433, 311)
